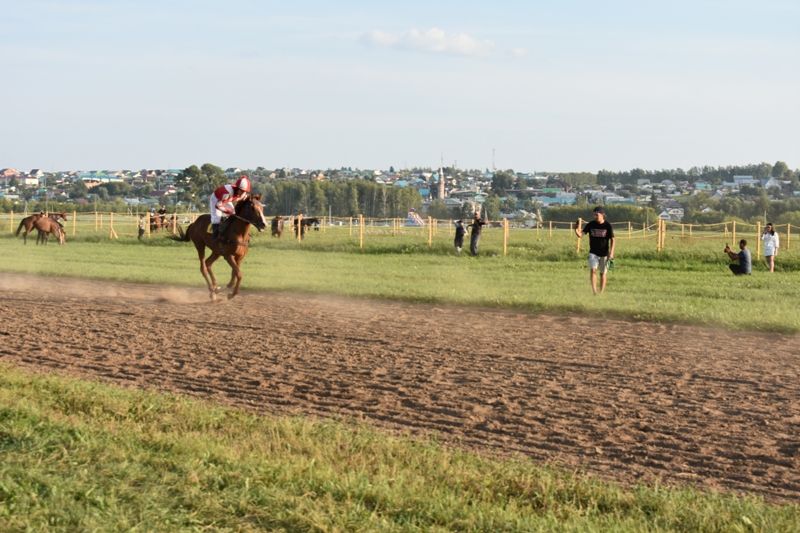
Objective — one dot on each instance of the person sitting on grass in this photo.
(743, 265)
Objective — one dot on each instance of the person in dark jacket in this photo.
(458, 242)
(475, 235)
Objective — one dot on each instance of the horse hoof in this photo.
(230, 296)
(217, 289)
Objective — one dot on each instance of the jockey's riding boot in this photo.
(215, 231)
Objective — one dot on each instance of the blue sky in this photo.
(557, 86)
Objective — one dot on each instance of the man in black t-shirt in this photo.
(475, 235)
(601, 246)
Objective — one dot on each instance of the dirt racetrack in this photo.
(630, 401)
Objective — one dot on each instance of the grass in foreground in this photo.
(689, 284)
(79, 456)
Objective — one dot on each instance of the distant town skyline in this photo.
(549, 86)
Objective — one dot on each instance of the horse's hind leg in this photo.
(210, 261)
(206, 272)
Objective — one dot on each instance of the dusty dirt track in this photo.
(628, 401)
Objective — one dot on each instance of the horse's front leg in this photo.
(236, 273)
(238, 260)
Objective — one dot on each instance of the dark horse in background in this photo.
(305, 224)
(232, 245)
(29, 223)
(277, 226)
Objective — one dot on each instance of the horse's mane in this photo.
(247, 202)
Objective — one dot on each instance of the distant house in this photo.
(619, 200)
(745, 180)
(561, 198)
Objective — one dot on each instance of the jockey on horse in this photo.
(223, 200)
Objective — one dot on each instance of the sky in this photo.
(570, 85)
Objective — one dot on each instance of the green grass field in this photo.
(78, 456)
(689, 282)
(82, 456)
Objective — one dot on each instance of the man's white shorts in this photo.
(598, 263)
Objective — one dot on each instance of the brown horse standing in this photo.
(29, 223)
(232, 245)
(49, 226)
(277, 226)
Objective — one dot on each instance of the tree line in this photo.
(712, 175)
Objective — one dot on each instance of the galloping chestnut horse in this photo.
(29, 221)
(232, 244)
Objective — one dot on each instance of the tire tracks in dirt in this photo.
(630, 401)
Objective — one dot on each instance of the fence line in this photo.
(664, 233)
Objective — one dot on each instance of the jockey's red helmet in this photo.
(243, 183)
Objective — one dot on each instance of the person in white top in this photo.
(771, 245)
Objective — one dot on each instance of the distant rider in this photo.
(223, 200)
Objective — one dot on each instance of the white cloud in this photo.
(519, 52)
(434, 40)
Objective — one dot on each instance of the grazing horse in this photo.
(155, 222)
(232, 244)
(277, 226)
(29, 221)
(49, 226)
(305, 224)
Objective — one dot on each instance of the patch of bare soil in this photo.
(629, 401)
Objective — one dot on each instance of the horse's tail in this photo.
(181, 236)
(19, 228)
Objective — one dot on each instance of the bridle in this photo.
(234, 215)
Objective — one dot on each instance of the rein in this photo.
(240, 243)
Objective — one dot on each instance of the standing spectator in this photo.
(601, 247)
(458, 242)
(141, 226)
(771, 245)
(475, 235)
(745, 265)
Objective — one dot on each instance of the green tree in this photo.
(351, 200)
(438, 210)
(491, 207)
(317, 203)
(502, 181)
(780, 169)
(78, 189)
(509, 204)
